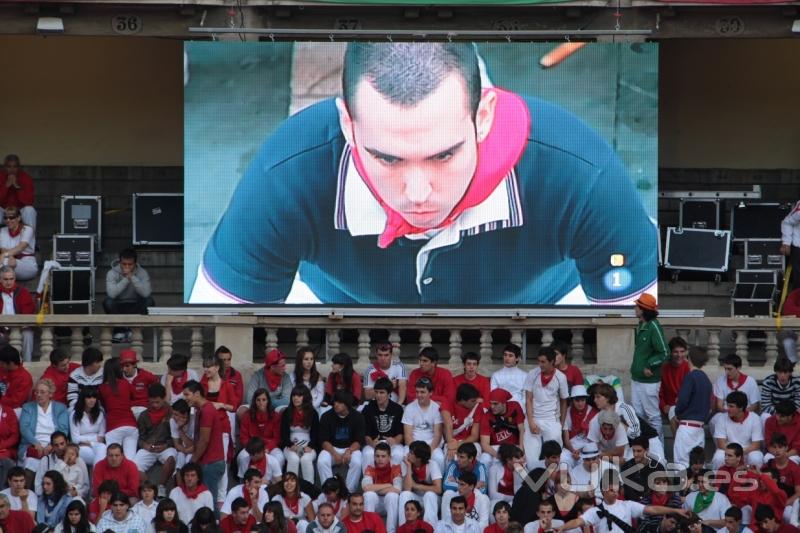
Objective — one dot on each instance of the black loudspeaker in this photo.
(697, 249)
(758, 220)
(754, 293)
(74, 250)
(699, 214)
(82, 215)
(72, 288)
(763, 254)
(158, 219)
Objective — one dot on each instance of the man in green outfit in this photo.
(649, 353)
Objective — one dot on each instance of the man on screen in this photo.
(419, 179)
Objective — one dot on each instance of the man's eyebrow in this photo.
(383, 155)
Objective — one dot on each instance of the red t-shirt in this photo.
(9, 433)
(443, 385)
(140, 382)
(19, 384)
(368, 521)
(791, 430)
(234, 378)
(227, 525)
(458, 414)
(60, 380)
(118, 405)
(126, 474)
(494, 528)
(207, 417)
(481, 382)
(788, 476)
(574, 376)
(18, 522)
(334, 383)
(671, 380)
(266, 428)
(502, 429)
(411, 527)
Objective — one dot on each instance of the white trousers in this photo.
(549, 429)
(127, 436)
(645, 403)
(325, 468)
(93, 453)
(429, 501)
(368, 454)
(385, 505)
(300, 463)
(146, 459)
(686, 439)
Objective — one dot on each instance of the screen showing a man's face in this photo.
(420, 174)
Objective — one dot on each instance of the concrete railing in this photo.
(757, 341)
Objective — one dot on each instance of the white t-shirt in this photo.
(238, 492)
(715, 511)
(746, 432)
(173, 427)
(303, 502)
(45, 426)
(749, 387)
(147, 514)
(595, 435)
(546, 399)
(533, 527)
(511, 379)
(432, 473)
(423, 420)
(26, 235)
(187, 507)
(16, 503)
(623, 509)
(396, 371)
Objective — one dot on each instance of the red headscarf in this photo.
(273, 379)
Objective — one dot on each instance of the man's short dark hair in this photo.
(255, 445)
(251, 473)
(11, 158)
(782, 364)
(429, 352)
(733, 360)
(58, 355)
(697, 455)
(466, 391)
(182, 407)
(548, 352)
(9, 354)
(407, 73)
(193, 467)
(354, 494)
(239, 503)
(500, 506)
(468, 476)
(513, 348)
(112, 446)
(561, 347)
(194, 386)
(156, 390)
(424, 383)
(471, 356)
(458, 499)
(549, 449)
(90, 356)
(737, 398)
(384, 447)
(698, 356)
(734, 512)
(764, 512)
(736, 448)
(57, 434)
(421, 450)
(642, 441)
(128, 253)
(15, 471)
(109, 485)
(177, 362)
(343, 396)
(384, 384)
(779, 439)
(222, 349)
(468, 449)
(785, 408)
(678, 342)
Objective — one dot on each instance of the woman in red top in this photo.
(222, 396)
(413, 513)
(342, 377)
(116, 395)
(260, 421)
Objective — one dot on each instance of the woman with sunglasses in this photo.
(17, 245)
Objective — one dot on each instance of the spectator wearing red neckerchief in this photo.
(443, 385)
(471, 360)
(139, 378)
(272, 377)
(177, 375)
(230, 374)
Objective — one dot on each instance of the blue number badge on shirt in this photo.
(617, 279)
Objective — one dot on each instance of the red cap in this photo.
(499, 395)
(128, 356)
(273, 357)
(647, 301)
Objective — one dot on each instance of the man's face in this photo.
(325, 517)
(381, 396)
(356, 506)
(59, 445)
(279, 367)
(383, 358)
(420, 158)
(731, 524)
(463, 460)
(783, 377)
(63, 366)
(340, 408)
(127, 265)
(638, 453)
(114, 456)
(497, 408)
(510, 359)
(240, 515)
(8, 279)
(545, 514)
(458, 512)
(610, 493)
(16, 484)
(731, 460)
(382, 458)
(678, 355)
(779, 451)
(670, 523)
(770, 525)
(189, 397)
(423, 394)
(190, 479)
(471, 367)
(12, 167)
(734, 410)
(129, 369)
(426, 365)
(731, 371)
(119, 510)
(501, 516)
(464, 489)
(468, 404)
(545, 365)
(156, 403)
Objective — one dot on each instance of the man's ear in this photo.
(345, 121)
(484, 118)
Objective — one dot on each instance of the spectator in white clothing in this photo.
(192, 494)
(742, 427)
(511, 377)
(546, 393)
(87, 426)
(422, 420)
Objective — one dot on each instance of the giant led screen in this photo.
(420, 174)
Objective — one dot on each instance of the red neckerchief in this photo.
(506, 485)
(177, 383)
(336, 506)
(298, 418)
(657, 498)
(742, 379)
(11, 290)
(157, 416)
(293, 503)
(547, 379)
(15, 233)
(471, 501)
(419, 473)
(497, 155)
(273, 379)
(261, 465)
(378, 373)
(262, 420)
(383, 474)
(193, 493)
(246, 495)
(580, 419)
